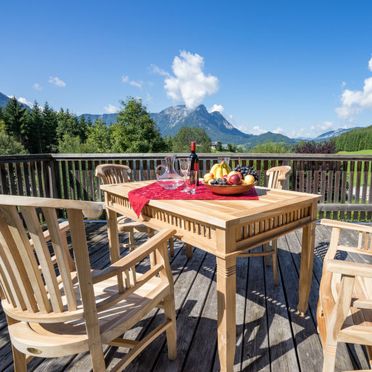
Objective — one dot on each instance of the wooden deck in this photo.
(271, 336)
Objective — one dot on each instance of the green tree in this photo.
(67, 123)
(355, 140)
(231, 147)
(218, 146)
(135, 131)
(271, 147)
(14, 116)
(98, 139)
(8, 144)
(71, 144)
(49, 129)
(33, 129)
(182, 140)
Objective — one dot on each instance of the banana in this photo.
(213, 169)
(220, 170)
(224, 170)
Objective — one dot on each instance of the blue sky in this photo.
(294, 67)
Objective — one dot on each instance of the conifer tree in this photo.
(14, 116)
(135, 131)
(32, 130)
(49, 129)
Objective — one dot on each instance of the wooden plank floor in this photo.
(270, 334)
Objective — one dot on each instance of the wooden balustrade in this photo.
(343, 181)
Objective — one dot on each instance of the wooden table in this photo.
(224, 228)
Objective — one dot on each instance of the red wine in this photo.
(194, 171)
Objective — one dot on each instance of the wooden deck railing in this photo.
(343, 181)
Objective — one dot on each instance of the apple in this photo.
(234, 178)
(208, 177)
(249, 180)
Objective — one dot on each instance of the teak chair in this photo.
(53, 310)
(277, 177)
(344, 311)
(118, 173)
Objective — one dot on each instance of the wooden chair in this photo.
(53, 310)
(118, 173)
(277, 177)
(344, 311)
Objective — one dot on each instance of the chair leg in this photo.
(275, 262)
(132, 242)
(150, 232)
(171, 332)
(329, 355)
(19, 360)
(171, 247)
(369, 352)
(267, 247)
(188, 250)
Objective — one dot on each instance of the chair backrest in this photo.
(277, 176)
(113, 173)
(33, 287)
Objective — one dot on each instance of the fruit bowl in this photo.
(229, 189)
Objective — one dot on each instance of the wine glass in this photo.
(185, 165)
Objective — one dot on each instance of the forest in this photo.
(39, 130)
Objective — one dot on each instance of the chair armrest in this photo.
(346, 225)
(63, 226)
(349, 268)
(135, 256)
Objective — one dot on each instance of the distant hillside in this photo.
(355, 140)
(4, 99)
(333, 133)
(106, 118)
(171, 119)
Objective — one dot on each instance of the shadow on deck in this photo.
(270, 334)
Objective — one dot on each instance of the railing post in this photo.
(53, 180)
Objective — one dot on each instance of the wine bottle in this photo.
(194, 166)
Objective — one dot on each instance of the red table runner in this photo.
(138, 198)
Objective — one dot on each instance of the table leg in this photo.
(226, 312)
(113, 238)
(306, 269)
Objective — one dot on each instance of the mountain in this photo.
(106, 118)
(171, 119)
(333, 133)
(4, 99)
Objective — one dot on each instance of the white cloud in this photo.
(134, 83)
(24, 100)
(189, 84)
(300, 132)
(158, 71)
(111, 109)
(327, 125)
(37, 87)
(55, 80)
(278, 130)
(354, 101)
(216, 107)
(257, 130)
